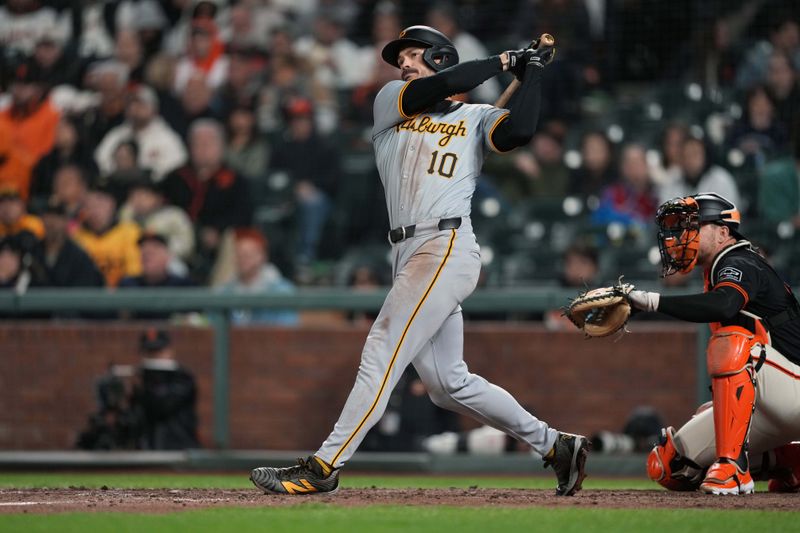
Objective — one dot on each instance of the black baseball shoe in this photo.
(569, 462)
(310, 476)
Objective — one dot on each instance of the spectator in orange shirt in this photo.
(28, 127)
(110, 243)
(14, 220)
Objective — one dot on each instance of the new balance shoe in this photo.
(568, 460)
(725, 477)
(310, 476)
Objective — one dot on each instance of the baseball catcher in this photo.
(753, 357)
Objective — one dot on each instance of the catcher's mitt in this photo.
(601, 312)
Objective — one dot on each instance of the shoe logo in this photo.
(304, 487)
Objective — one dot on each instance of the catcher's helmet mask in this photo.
(439, 50)
(679, 222)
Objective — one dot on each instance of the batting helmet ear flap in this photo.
(439, 54)
(439, 59)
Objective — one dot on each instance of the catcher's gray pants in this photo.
(421, 323)
(775, 422)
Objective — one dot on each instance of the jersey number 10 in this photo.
(447, 164)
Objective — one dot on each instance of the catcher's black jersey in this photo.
(765, 294)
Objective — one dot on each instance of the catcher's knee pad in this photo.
(733, 389)
(669, 469)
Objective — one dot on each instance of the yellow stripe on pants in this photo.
(397, 349)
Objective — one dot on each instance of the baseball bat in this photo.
(545, 39)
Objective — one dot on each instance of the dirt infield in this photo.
(80, 499)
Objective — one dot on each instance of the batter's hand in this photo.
(542, 51)
(539, 52)
(517, 62)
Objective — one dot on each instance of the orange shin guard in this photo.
(733, 388)
(666, 467)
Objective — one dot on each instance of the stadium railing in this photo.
(217, 307)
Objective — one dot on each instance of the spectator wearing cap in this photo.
(313, 167)
(69, 149)
(27, 127)
(156, 274)
(256, 275)
(205, 57)
(160, 148)
(65, 264)
(110, 243)
(165, 396)
(213, 195)
(147, 207)
(14, 219)
(156, 259)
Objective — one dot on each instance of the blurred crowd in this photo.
(226, 143)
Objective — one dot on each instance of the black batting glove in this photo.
(517, 61)
(539, 55)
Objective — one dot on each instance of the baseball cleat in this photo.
(310, 476)
(726, 478)
(568, 460)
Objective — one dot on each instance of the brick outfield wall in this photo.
(288, 385)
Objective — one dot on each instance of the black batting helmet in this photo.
(438, 47)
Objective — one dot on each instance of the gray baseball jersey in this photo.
(429, 164)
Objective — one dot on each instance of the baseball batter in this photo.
(753, 357)
(429, 151)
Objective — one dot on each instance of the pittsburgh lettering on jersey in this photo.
(427, 125)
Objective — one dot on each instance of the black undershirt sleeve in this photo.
(718, 305)
(518, 129)
(422, 93)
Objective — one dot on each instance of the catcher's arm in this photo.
(547, 40)
(722, 303)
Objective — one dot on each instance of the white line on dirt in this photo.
(10, 504)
